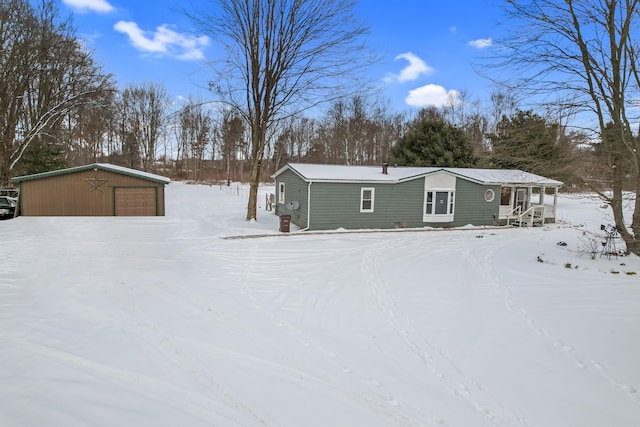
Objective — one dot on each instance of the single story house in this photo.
(324, 197)
(98, 189)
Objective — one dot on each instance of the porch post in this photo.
(542, 191)
(555, 202)
(512, 198)
(529, 194)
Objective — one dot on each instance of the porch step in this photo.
(537, 222)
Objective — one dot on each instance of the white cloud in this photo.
(481, 43)
(164, 41)
(101, 6)
(431, 95)
(412, 71)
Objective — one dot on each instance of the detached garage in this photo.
(99, 189)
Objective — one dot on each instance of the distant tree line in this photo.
(59, 109)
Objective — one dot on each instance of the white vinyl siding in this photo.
(367, 198)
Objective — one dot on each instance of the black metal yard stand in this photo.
(609, 245)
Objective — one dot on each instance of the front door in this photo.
(442, 202)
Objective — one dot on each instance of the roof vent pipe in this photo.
(385, 166)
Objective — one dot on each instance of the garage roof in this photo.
(96, 166)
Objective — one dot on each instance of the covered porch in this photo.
(528, 205)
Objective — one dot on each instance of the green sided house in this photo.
(327, 197)
(98, 189)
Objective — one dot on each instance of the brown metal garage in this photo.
(98, 189)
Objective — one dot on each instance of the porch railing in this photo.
(535, 214)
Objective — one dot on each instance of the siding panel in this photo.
(336, 205)
(296, 190)
(471, 207)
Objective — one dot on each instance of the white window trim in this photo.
(451, 205)
(281, 192)
(373, 198)
(489, 195)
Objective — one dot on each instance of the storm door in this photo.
(442, 203)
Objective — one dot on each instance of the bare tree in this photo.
(333, 132)
(45, 73)
(465, 112)
(196, 133)
(282, 56)
(386, 129)
(359, 130)
(293, 140)
(88, 129)
(502, 103)
(143, 111)
(231, 133)
(585, 50)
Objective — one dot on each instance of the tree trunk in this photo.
(633, 240)
(253, 191)
(5, 174)
(617, 206)
(635, 223)
(258, 140)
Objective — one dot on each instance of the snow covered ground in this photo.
(162, 322)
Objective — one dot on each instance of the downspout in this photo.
(308, 207)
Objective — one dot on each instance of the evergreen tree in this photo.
(434, 142)
(42, 156)
(529, 142)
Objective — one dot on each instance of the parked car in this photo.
(7, 207)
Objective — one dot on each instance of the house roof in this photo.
(373, 174)
(96, 166)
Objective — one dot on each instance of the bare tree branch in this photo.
(283, 56)
(584, 50)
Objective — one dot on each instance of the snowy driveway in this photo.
(161, 322)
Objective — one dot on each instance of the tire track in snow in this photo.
(436, 360)
(484, 266)
(181, 399)
(321, 383)
(183, 358)
(169, 348)
(373, 402)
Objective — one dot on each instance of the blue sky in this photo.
(428, 46)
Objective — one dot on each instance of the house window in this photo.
(367, 196)
(505, 196)
(489, 195)
(281, 192)
(439, 206)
